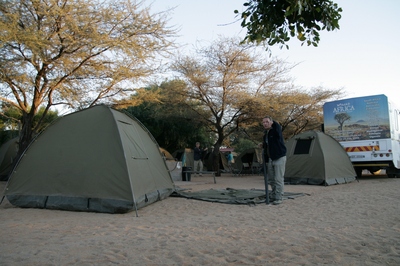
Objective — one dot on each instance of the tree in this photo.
(341, 118)
(244, 144)
(224, 81)
(299, 110)
(75, 53)
(296, 109)
(174, 125)
(276, 21)
(10, 117)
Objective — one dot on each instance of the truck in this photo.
(368, 129)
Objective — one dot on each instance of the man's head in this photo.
(197, 144)
(267, 122)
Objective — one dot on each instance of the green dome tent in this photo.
(8, 152)
(98, 159)
(249, 161)
(318, 159)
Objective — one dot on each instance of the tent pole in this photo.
(136, 210)
(265, 179)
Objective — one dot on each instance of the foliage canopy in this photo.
(171, 121)
(224, 82)
(76, 53)
(276, 21)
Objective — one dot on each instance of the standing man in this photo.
(198, 156)
(275, 156)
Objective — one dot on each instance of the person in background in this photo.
(198, 156)
(275, 157)
(229, 157)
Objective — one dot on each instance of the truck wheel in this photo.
(392, 172)
(374, 170)
(377, 172)
(358, 171)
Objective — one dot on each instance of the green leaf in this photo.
(285, 19)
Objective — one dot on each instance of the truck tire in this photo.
(392, 172)
(374, 170)
(358, 171)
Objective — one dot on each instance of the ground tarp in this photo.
(231, 195)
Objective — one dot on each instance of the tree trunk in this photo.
(216, 159)
(26, 134)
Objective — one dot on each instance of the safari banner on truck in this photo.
(363, 118)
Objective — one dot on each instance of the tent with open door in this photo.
(186, 156)
(249, 161)
(98, 159)
(316, 158)
(223, 161)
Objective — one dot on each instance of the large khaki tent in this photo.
(8, 152)
(98, 159)
(316, 158)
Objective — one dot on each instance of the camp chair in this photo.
(245, 168)
(256, 168)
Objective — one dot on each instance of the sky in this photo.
(362, 57)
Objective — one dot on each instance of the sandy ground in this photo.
(349, 224)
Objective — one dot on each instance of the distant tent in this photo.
(6, 135)
(166, 154)
(223, 161)
(224, 158)
(97, 159)
(8, 152)
(174, 166)
(316, 158)
(186, 156)
(252, 157)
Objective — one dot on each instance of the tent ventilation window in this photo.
(303, 146)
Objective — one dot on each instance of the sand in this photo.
(349, 224)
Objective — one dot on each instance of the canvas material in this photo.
(98, 153)
(326, 164)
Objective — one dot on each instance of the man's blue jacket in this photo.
(276, 144)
